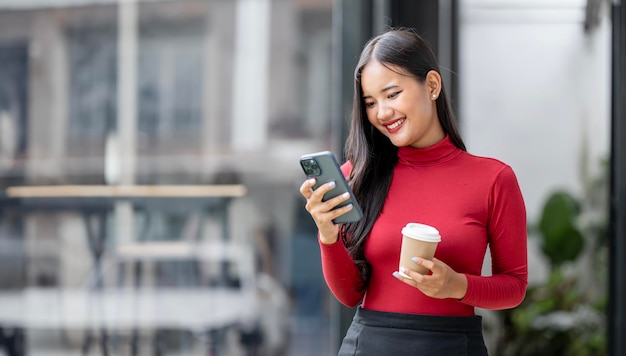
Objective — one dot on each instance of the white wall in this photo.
(533, 83)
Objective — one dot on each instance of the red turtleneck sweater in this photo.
(473, 202)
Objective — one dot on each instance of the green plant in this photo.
(562, 240)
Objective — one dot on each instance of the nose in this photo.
(384, 112)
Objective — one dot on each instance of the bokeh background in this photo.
(149, 166)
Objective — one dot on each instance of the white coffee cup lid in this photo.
(421, 232)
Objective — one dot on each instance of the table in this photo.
(95, 202)
(127, 192)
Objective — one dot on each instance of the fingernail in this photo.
(402, 269)
(331, 184)
(349, 206)
(415, 259)
(396, 274)
(311, 181)
(345, 195)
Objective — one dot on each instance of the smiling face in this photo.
(400, 107)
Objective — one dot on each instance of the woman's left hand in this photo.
(444, 282)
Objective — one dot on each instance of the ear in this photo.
(433, 84)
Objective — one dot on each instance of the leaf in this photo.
(562, 241)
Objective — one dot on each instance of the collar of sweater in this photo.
(440, 152)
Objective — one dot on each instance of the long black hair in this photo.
(372, 155)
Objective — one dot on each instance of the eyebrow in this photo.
(393, 86)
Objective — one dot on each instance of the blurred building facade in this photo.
(164, 93)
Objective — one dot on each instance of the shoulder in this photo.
(496, 180)
(489, 169)
(346, 168)
(488, 164)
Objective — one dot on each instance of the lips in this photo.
(394, 126)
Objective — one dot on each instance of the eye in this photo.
(369, 104)
(394, 94)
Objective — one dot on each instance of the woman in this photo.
(406, 162)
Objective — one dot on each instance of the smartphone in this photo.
(324, 168)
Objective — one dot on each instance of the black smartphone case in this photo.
(329, 171)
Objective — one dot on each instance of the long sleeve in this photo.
(341, 274)
(507, 234)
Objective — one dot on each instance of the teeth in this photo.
(395, 124)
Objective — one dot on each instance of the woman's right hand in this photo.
(322, 211)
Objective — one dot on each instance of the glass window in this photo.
(156, 210)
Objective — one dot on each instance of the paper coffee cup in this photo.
(418, 240)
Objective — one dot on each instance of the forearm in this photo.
(341, 274)
(495, 292)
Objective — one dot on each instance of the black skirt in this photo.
(374, 333)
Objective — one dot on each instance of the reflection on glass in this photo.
(179, 232)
